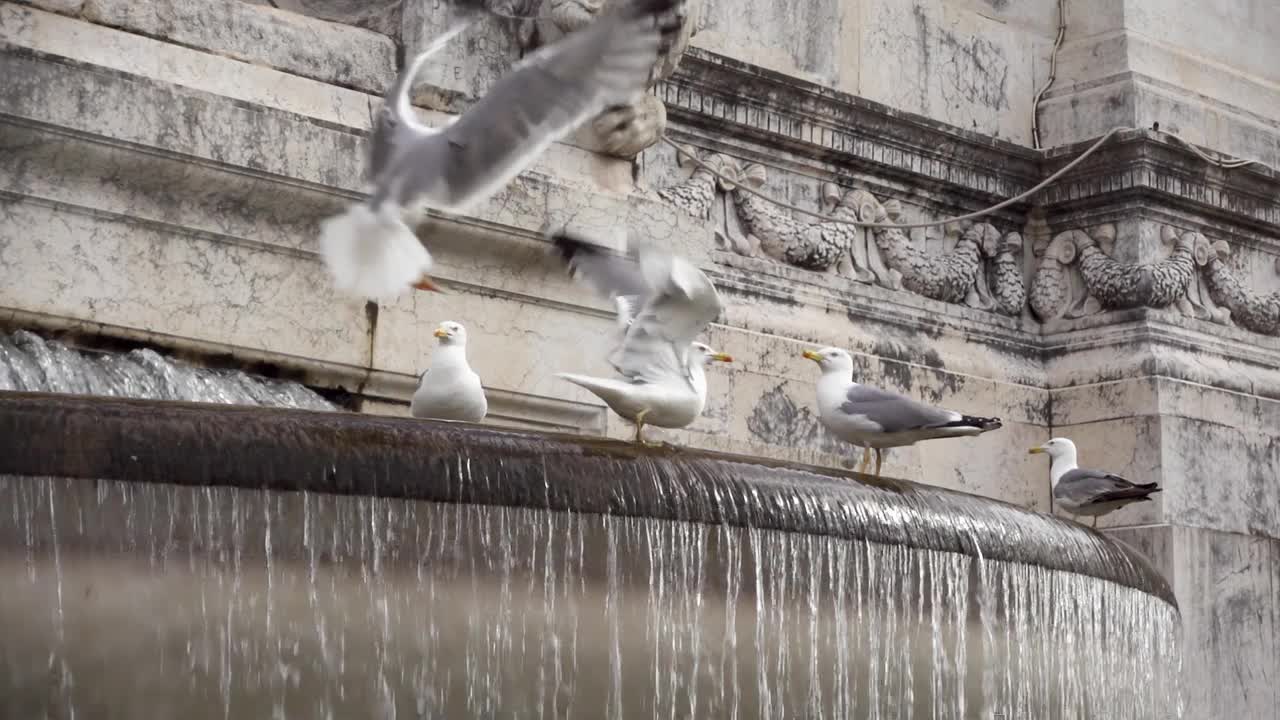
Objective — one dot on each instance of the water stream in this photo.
(31, 363)
(134, 600)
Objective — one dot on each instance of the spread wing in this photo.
(893, 412)
(394, 126)
(682, 304)
(1084, 487)
(546, 96)
(676, 302)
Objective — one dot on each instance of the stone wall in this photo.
(165, 166)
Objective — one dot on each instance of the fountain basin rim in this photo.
(206, 444)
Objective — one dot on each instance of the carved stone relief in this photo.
(1109, 284)
(625, 130)
(1249, 309)
(959, 275)
(697, 194)
(1008, 289)
(1076, 276)
(771, 232)
(982, 270)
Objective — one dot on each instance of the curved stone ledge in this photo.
(254, 448)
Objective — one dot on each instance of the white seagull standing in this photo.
(369, 249)
(880, 419)
(1088, 493)
(450, 389)
(664, 380)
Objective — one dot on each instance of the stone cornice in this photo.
(744, 110)
(720, 96)
(1145, 163)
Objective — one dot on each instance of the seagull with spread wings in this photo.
(1088, 493)
(369, 249)
(878, 419)
(663, 303)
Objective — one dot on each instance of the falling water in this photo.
(216, 602)
(217, 562)
(30, 363)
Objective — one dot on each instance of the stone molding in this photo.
(720, 98)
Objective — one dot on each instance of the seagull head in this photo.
(1058, 447)
(451, 333)
(707, 356)
(831, 359)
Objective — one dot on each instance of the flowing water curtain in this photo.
(318, 604)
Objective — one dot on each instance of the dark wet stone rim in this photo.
(202, 444)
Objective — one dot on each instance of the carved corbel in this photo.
(624, 130)
(1249, 310)
(697, 194)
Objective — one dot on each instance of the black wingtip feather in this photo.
(982, 423)
(654, 7)
(570, 246)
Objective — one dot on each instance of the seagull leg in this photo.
(1095, 521)
(866, 460)
(640, 425)
(879, 460)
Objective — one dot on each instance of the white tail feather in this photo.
(372, 255)
(607, 389)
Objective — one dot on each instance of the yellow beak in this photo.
(811, 355)
(721, 357)
(1035, 451)
(427, 284)
(441, 333)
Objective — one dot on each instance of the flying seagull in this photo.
(1091, 493)
(371, 252)
(450, 389)
(663, 303)
(880, 419)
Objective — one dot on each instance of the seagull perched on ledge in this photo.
(877, 418)
(370, 250)
(449, 389)
(663, 303)
(1089, 493)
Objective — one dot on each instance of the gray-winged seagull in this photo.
(1088, 493)
(370, 250)
(879, 419)
(663, 381)
(450, 389)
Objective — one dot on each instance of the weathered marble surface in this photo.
(380, 16)
(286, 41)
(972, 63)
(1228, 589)
(1210, 77)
